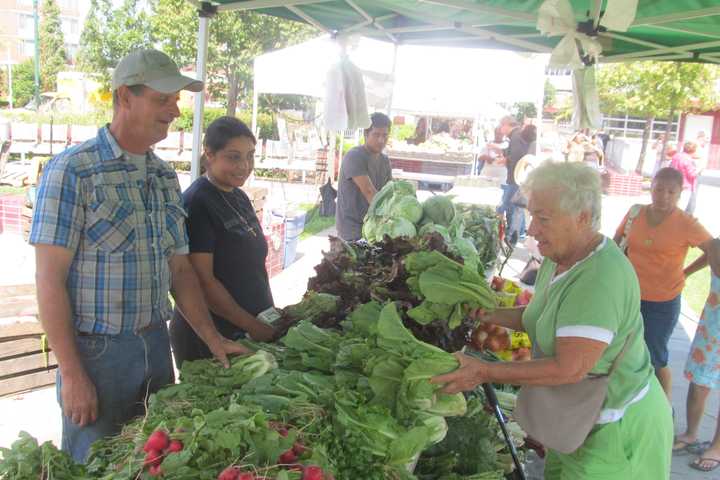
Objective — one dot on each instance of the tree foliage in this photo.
(110, 34)
(52, 46)
(656, 90)
(549, 94)
(236, 38)
(23, 82)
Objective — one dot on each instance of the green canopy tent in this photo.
(677, 30)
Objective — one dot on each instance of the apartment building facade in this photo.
(17, 30)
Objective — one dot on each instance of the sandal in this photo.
(697, 464)
(698, 448)
(681, 447)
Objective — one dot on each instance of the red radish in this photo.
(298, 448)
(230, 473)
(281, 428)
(287, 457)
(497, 283)
(246, 476)
(153, 458)
(158, 440)
(523, 298)
(313, 472)
(175, 446)
(155, 471)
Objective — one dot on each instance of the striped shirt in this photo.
(122, 228)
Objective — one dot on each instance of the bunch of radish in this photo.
(157, 447)
(309, 472)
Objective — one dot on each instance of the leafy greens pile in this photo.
(470, 231)
(353, 403)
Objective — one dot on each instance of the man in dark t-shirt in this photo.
(364, 171)
(517, 148)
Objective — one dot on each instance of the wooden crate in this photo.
(26, 362)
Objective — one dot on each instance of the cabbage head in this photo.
(406, 207)
(439, 209)
(403, 188)
(431, 228)
(370, 228)
(398, 227)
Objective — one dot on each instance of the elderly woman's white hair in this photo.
(578, 185)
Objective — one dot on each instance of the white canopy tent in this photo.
(302, 69)
(444, 81)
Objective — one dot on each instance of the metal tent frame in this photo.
(684, 30)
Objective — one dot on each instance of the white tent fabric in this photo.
(428, 80)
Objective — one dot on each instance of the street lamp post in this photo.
(36, 18)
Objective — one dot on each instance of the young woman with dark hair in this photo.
(227, 245)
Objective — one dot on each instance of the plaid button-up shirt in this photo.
(122, 229)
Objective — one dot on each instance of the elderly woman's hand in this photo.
(471, 373)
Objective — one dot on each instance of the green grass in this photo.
(9, 190)
(697, 286)
(314, 223)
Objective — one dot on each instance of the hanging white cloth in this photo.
(355, 99)
(576, 50)
(586, 111)
(336, 115)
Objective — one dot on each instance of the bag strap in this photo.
(620, 355)
(634, 212)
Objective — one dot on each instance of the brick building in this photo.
(17, 30)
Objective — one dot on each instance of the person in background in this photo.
(586, 308)
(575, 148)
(365, 169)
(685, 164)
(658, 240)
(657, 148)
(701, 152)
(109, 234)
(516, 149)
(227, 245)
(702, 369)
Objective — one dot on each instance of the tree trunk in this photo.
(668, 129)
(232, 96)
(643, 150)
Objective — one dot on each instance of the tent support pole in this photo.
(255, 108)
(539, 107)
(205, 13)
(392, 89)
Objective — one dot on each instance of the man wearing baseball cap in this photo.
(110, 243)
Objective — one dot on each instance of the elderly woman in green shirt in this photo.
(586, 305)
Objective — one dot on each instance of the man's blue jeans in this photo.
(514, 216)
(125, 369)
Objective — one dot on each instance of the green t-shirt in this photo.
(598, 298)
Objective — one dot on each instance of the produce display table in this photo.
(449, 163)
(426, 181)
